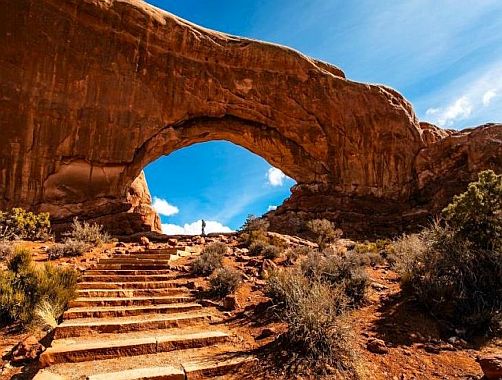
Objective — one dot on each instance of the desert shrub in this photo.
(210, 259)
(271, 252)
(68, 248)
(454, 267)
(87, 233)
(317, 333)
(343, 271)
(224, 281)
(324, 231)
(256, 247)
(24, 287)
(254, 230)
(293, 254)
(21, 224)
(455, 279)
(476, 215)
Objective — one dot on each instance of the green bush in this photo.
(343, 271)
(256, 247)
(87, 233)
(68, 248)
(324, 232)
(454, 268)
(271, 252)
(210, 259)
(476, 215)
(23, 287)
(254, 230)
(20, 224)
(224, 281)
(317, 332)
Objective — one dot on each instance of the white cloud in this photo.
(275, 177)
(194, 228)
(488, 96)
(460, 109)
(163, 207)
(271, 208)
(468, 100)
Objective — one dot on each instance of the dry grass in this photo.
(210, 259)
(69, 248)
(87, 233)
(224, 281)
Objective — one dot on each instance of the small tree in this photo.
(254, 230)
(324, 231)
(477, 213)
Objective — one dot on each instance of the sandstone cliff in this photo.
(91, 91)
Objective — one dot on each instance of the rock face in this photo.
(91, 91)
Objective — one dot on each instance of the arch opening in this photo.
(218, 181)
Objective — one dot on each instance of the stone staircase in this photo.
(135, 318)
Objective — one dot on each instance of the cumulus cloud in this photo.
(271, 208)
(469, 100)
(275, 177)
(195, 228)
(488, 96)
(460, 109)
(163, 207)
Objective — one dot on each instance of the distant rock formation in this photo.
(91, 91)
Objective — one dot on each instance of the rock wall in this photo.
(91, 91)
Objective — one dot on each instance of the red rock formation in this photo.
(91, 91)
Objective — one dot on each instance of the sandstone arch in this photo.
(93, 90)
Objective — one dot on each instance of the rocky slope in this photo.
(94, 90)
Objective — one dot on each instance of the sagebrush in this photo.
(324, 232)
(89, 233)
(21, 224)
(454, 267)
(25, 288)
(68, 248)
(210, 259)
(224, 281)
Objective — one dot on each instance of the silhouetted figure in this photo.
(203, 227)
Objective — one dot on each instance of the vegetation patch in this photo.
(454, 268)
(68, 248)
(28, 291)
(210, 259)
(85, 232)
(323, 231)
(21, 224)
(224, 281)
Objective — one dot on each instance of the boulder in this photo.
(26, 350)
(491, 365)
(377, 346)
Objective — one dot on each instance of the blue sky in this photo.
(444, 56)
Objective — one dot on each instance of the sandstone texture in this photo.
(92, 91)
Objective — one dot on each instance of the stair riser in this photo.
(124, 313)
(134, 266)
(126, 278)
(76, 331)
(132, 260)
(126, 302)
(102, 353)
(244, 366)
(129, 285)
(133, 292)
(127, 272)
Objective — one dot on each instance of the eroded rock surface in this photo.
(91, 91)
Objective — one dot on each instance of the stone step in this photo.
(127, 278)
(129, 301)
(216, 366)
(130, 285)
(128, 271)
(132, 292)
(100, 349)
(133, 260)
(91, 326)
(153, 373)
(124, 311)
(132, 266)
(142, 256)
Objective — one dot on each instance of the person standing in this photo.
(203, 227)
